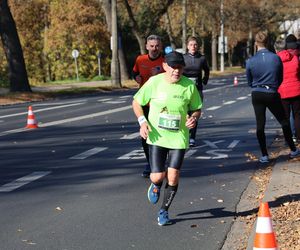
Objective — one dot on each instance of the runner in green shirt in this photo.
(171, 97)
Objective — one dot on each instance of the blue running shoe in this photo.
(163, 218)
(153, 193)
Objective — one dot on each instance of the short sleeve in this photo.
(196, 102)
(143, 96)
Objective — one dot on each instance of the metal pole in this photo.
(222, 38)
(99, 65)
(76, 68)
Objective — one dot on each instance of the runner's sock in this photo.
(169, 195)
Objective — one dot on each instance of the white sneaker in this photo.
(295, 153)
(264, 159)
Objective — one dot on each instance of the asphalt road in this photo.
(74, 183)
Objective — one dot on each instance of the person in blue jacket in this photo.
(264, 74)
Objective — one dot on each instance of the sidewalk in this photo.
(283, 196)
(49, 88)
(46, 88)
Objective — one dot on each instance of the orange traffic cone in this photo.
(235, 82)
(31, 121)
(264, 237)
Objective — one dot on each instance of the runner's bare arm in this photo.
(144, 126)
(192, 119)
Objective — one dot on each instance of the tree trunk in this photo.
(106, 4)
(137, 31)
(214, 51)
(141, 40)
(184, 14)
(229, 57)
(169, 30)
(18, 78)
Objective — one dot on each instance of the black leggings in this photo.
(261, 101)
(159, 155)
(294, 104)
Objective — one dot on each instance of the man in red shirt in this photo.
(146, 66)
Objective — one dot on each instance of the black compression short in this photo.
(160, 155)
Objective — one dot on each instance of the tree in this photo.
(83, 30)
(32, 35)
(18, 78)
(146, 17)
(106, 4)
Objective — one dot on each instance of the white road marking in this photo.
(134, 154)
(242, 98)
(74, 119)
(213, 108)
(229, 102)
(87, 153)
(189, 153)
(131, 136)
(233, 144)
(68, 120)
(213, 89)
(23, 181)
(126, 96)
(267, 131)
(45, 109)
(217, 80)
(115, 102)
(216, 154)
(211, 144)
(104, 100)
(59, 103)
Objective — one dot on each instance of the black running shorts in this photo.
(160, 155)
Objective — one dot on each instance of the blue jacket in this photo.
(264, 71)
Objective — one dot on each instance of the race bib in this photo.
(169, 122)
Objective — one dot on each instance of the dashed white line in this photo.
(242, 98)
(115, 102)
(229, 102)
(189, 153)
(233, 144)
(87, 153)
(45, 109)
(104, 100)
(74, 119)
(23, 181)
(267, 131)
(131, 136)
(213, 108)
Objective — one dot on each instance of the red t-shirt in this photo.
(146, 67)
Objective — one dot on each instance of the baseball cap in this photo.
(174, 58)
(291, 42)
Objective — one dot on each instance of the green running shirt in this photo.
(169, 105)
